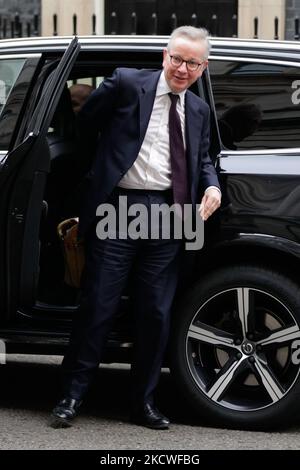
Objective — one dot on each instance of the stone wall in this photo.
(26, 7)
(265, 11)
(65, 9)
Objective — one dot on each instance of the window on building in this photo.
(257, 104)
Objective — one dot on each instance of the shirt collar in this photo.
(163, 88)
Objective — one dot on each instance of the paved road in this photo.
(29, 388)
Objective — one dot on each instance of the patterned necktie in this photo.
(178, 157)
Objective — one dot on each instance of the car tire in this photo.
(234, 348)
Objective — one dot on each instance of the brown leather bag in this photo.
(73, 251)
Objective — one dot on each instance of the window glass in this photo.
(9, 105)
(257, 104)
(9, 72)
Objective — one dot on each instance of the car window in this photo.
(254, 104)
(87, 74)
(9, 72)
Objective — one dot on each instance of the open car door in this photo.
(23, 177)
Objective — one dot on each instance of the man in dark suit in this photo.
(153, 150)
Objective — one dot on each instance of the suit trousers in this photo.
(154, 264)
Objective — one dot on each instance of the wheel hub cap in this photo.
(248, 348)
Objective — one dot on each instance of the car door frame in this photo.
(24, 174)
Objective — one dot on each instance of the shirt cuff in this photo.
(214, 187)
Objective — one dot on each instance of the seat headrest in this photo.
(63, 120)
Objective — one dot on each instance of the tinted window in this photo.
(9, 72)
(254, 104)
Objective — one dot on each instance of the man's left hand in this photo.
(210, 202)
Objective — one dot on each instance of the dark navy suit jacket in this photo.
(120, 110)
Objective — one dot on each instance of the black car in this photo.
(235, 343)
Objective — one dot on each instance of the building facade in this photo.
(264, 19)
(27, 7)
(20, 17)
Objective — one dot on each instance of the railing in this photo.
(276, 28)
(173, 22)
(213, 25)
(13, 27)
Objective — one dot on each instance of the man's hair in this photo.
(192, 33)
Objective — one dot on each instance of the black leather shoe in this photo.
(150, 417)
(65, 412)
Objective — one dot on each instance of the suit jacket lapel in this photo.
(193, 127)
(146, 97)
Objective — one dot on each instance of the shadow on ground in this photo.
(36, 386)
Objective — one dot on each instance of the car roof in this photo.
(220, 46)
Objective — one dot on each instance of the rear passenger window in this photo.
(10, 70)
(256, 104)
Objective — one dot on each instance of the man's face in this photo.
(180, 78)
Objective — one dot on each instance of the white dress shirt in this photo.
(152, 167)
